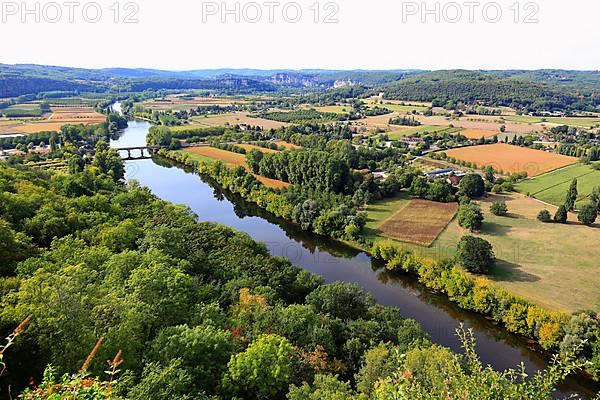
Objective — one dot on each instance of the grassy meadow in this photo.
(552, 187)
(539, 262)
(411, 131)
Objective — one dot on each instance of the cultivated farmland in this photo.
(411, 131)
(63, 116)
(552, 187)
(511, 159)
(478, 133)
(249, 147)
(206, 153)
(238, 118)
(175, 103)
(483, 123)
(288, 146)
(582, 122)
(419, 222)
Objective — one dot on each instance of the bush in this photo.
(475, 254)
(544, 216)
(499, 208)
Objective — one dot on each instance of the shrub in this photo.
(544, 216)
(499, 208)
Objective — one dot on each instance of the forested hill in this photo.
(519, 90)
(20, 80)
(577, 80)
(527, 90)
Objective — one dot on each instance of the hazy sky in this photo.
(369, 34)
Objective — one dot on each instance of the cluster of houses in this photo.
(452, 176)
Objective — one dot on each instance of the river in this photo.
(334, 261)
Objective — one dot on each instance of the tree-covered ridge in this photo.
(302, 116)
(474, 87)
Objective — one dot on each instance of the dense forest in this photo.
(473, 87)
(187, 310)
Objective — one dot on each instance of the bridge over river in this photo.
(137, 152)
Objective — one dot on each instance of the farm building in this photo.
(455, 179)
(439, 173)
(380, 175)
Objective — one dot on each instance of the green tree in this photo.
(53, 146)
(489, 173)
(587, 214)
(109, 162)
(377, 364)
(571, 196)
(159, 136)
(342, 300)
(305, 213)
(579, 334)
(435, 373)
(203, 350)
(163, 382)
(264, 370)
(441, 191)
(472, 185)
(561, 215)
(595, 197)
(76, 164)
(253, 158)
(475, 254)
(121, 236)
(470, 217)
(14, 247)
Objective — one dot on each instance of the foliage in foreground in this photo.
(197, 310)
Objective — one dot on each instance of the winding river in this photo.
(333, 260)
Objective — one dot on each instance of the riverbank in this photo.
(544, 328)
(335, 261)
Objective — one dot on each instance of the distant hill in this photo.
(529, 90)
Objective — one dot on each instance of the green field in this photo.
(584, 122)
(552, 187)
(403, 108)
(524, 119)
(381, 210)
(540, 262)
(335, 109)
(22, 110)
(395, 135)
(198, 157)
